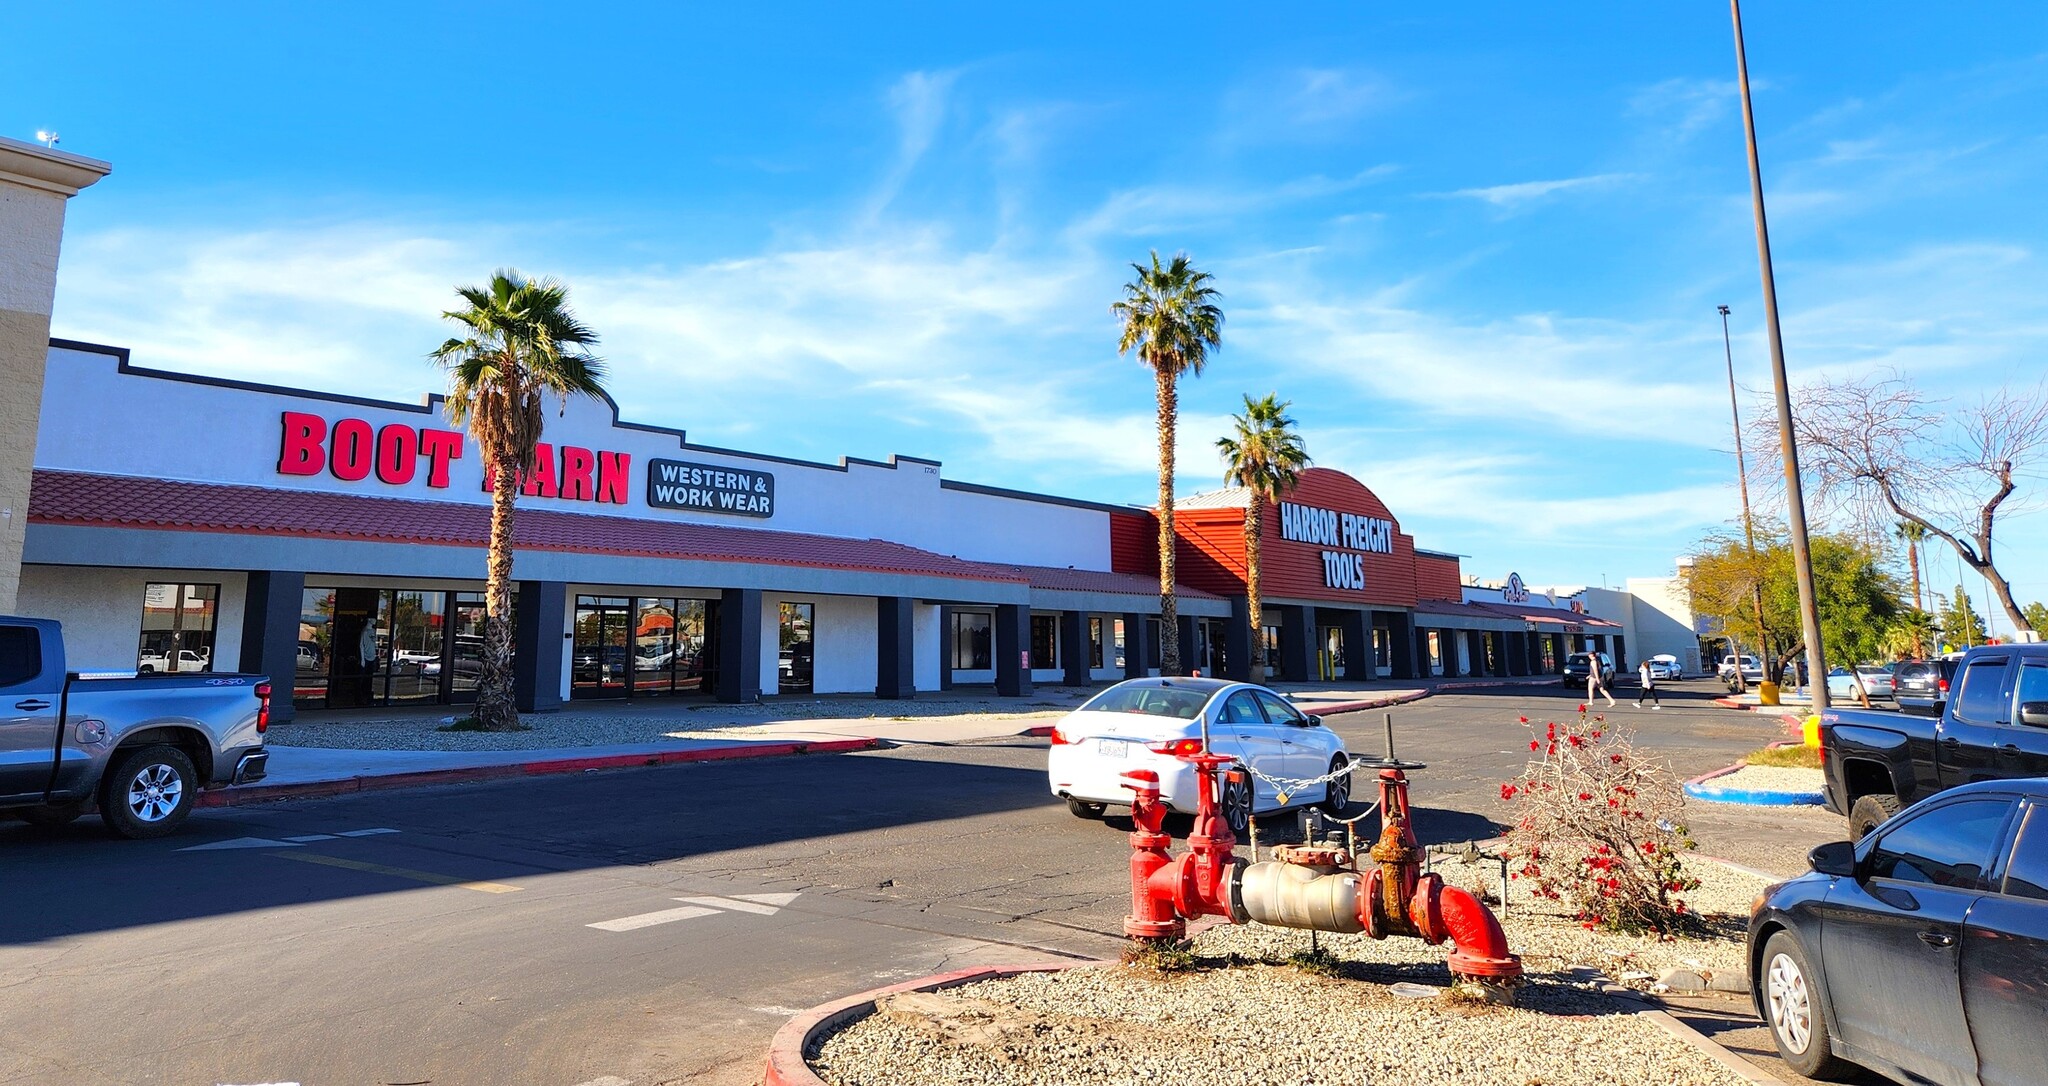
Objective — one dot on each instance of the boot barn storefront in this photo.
(186, 523)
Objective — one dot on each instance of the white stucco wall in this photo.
(843, 631)
(102, 611)
(1664, 621)
(902, 502)
(928, 643)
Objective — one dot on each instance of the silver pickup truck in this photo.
(136, 747)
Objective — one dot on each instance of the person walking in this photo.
(1597, 679)
(1649, 687)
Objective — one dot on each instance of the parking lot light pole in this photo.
(1756, 584)
(1795, 496)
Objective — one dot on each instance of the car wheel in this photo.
(1084, 809)
(1339, 795)
(1796, 1009)
(1869, 812)
(61, 814)
(1236, 802)
(149, 792)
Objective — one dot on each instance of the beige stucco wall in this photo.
(35, 184)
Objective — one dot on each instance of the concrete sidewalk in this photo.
(306, 771)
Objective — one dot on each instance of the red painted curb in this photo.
(1731, 703)
(787, 1065)
(244, 795)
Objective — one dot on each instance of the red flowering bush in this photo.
(1596, 826)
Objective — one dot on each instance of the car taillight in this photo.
(1177, 748)
(1058, 738)
(1941, 685)
(262, 708)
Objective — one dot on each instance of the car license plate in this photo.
(1112, 748)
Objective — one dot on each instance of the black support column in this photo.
(538, 645)
(1137, 649)
(739, 646)
(1401, 643)
(270, 634)
(1237, 641)
(895, 647)
(1074, 648)
(1189, 640)
(1358, 656)
(1297, 644)
(1013, 643)
(1475, 643)
(945, 648)
(1517, 654)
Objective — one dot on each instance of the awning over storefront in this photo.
(296, 520)
(1450, 614)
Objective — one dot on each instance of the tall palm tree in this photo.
(1913, 533)
(519, 343)
(1266, 457)
(1170, 317)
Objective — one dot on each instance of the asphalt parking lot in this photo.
(643, 925)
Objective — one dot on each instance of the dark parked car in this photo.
(1579, 665)
(1921, 686)
(1995, 728)
(1920, 953)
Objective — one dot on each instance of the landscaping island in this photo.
(1253, 1004)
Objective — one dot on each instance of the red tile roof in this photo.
(64, 497)
(1511, 612)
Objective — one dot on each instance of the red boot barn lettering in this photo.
(352, 451)
(576, 475)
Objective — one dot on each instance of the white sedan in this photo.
(1665, 666)
(1154, 723)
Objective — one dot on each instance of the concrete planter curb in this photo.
(1702, 787)
(788, 1062)
(244, 795)
(788, 1053)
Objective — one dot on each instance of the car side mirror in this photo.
(1837, 858)
(1315, 721)
(2034, 713)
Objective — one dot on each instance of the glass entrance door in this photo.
(601, 652)
(799, 651)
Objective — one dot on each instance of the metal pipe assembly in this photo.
(1316, 887)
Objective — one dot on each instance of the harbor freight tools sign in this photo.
(1329, 528)
(709, 488)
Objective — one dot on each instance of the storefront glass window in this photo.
(799, 649)
(417, 631)
(972, 647)
(466, 655)
(1119, 627)
(1436, 653)
(1382, 648)
(1269, 647)
(1045, 641)
(1094, 642)
(177, 628)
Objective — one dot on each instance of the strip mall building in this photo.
(182, 522)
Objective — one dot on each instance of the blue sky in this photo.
(1480, 248)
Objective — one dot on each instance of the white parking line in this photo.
(648, 920)
(365, 833)
(303, 838)
(757, 908)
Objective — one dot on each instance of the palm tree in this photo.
(519, 343)
(1266, 458)
(1913, 533)
(1170, 317)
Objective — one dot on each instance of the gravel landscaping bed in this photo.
(1765, 778)
(1245, 1016)
(617, 723)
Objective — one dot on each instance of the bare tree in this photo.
(1879, 449)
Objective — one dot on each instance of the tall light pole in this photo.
(1795, 495)
(1756, 584)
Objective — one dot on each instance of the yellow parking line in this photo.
(400, 872)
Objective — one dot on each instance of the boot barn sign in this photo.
(398, 454)
(1328, 528)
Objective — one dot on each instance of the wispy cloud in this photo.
(917, 101)
(1303, 104)
(1514, 196)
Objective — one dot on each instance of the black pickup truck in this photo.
(1994, 726)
